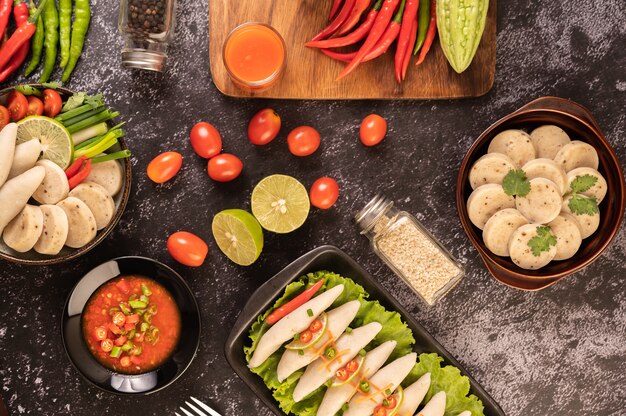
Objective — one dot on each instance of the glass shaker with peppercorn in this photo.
(147, 26)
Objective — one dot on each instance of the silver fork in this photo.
(198, 411)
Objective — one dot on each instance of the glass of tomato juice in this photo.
(254, 56)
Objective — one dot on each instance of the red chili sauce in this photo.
(131, 324)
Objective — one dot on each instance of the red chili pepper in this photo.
(20, 14)
(355, 15)
(409, 49)
(293, 304)
(81, 175)
(21, 36)
(74, 168)
(353, 37)
(334, 9)
(381, 23)
(5, 13)
(430, 36)
(338, 21)
(410, 13)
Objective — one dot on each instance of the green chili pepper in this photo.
(147, 317)
(132, 297)
(51, 29)
(127, 346)
(137, 350)
(36, 44)
(82, 17)
(144, 327)
(152, 309)
(113, 310)
(145, 290)
(131, 334)
(422, 25)
(116, 352)
(137, 304)
(144, 299)
(65, 28)
(125, 309)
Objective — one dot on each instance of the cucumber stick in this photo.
(461, 24)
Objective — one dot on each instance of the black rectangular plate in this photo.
(332, 259)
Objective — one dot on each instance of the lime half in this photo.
(297, 344)
(239, 235)
(280, 203)
(56, 142)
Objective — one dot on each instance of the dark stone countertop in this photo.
(557, 352)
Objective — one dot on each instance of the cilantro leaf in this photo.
(516, 183)
(74, 101)
(542, 241)
(583, 183)
(581, 205)
(52, 85)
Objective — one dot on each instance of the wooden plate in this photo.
(311, 75)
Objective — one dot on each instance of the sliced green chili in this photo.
(144, 299)
(116, 352)
(144, 327)
(125, 309)
(127, 346)
(145, 290)
(137, 304)
(147, 317)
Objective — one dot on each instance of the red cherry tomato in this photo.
(391, 402)
(303, 141)
(17, 105)
(165, 166)
(306, 336)
(324, 193)
(52, 103)
(119, 319)
(352, 366)
(264, 127)
(206, 140)
(315, 326)
(106, 345)
(187, 248)
(342, 374)
(380, 411)
(373, 130)
(5, 117)
(224, 167)
(35, 106)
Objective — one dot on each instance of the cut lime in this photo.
(56, 142)
(337, 382)
(299, 345)
(399, 396)
(239, 235)
(280, 203)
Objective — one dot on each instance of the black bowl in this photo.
(332, 259)
(102, 377)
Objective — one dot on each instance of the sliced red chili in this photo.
(315, 326)
(306, 336)
(119, 319)
(342, 374)
(106, 345)
(352, 366)
(125, 361)
(101, 333)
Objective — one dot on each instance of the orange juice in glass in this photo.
(254, 55)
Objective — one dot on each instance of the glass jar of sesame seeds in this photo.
(399, 239)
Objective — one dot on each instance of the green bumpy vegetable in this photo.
(51, 39)
(82, 17)
(461, 24)
(447, 378)
(65, 28)
(36, 46)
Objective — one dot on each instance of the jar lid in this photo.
(371, 213)
(143, 59)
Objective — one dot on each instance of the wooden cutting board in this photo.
(311, 75)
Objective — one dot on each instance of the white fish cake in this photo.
(516, 144)
(81, 222)
(490, 168)
(499, 228)
(436, 406)
(568, 236)
(521, 253)
(98, 200)
(54, 187)
(26, 155)
(542, 204)
(413, 395)
(16, 192)
(548, 140)
(107, 174)
(598, 190)
(577, 154)
(548, 169)
(55, 229)
(23, 231)
(485, 201)
(588, 223)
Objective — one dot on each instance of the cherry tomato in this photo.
(390, 402)
(106, 345)
(206, 140)
(101, 333)
(306, 336)
(264, 127)
(165, 166)
(125, 361)
(352, 366)
(303, 141)
(224, 167)
(123, 286)
(35, 106)
(342, 374)
(187, 248)
(18, 105)
(380, 411)
(373, 130)
(324, 193)
(5, 117)
(315, 326)
(119, 319)
(52, 103)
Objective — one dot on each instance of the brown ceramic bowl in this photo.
(579, 124)
(32, 257)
